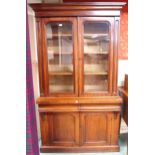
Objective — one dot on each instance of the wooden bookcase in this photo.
(79, 104)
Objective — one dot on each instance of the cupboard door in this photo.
(96, 55)
(95, 128)
(60, 44)
(59, 128)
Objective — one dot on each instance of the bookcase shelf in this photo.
(60, 73)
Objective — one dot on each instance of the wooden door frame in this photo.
(81, 20)
(45, 21)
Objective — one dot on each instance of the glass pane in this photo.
(60, 57)
(96, 53)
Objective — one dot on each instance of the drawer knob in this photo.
(76, 101)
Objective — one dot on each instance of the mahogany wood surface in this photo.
(81, 100)
(94, 0)
(77, 9)
(40, 61)
(104, 148)
(115, 69)
(79, 121)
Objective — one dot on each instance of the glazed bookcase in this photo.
(79, 105)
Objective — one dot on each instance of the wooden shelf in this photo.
(87, 52)
(96, 73)
(94, 35)
(60, 68)
(94, 88)
(71, 73)
(66, 88)
(97, 36)
(61, 88)
(57, 53)
(67, 53)
(55, 49)
(60, 73)
(50, 36)
(96, 69)
(89, 35)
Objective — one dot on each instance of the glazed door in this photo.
(96, 55)
(60, 43)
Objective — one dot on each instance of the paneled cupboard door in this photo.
(60, 43)
(95, 128)
(59, 128)
(96, 51)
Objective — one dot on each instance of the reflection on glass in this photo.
(96, 50)
(60, 57)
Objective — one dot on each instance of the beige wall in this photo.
(34, 1)
(122, 70)
(34, 60)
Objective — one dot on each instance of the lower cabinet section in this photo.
(77, 131)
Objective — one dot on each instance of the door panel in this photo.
(96, 55)
(60, 42)
(95, 128)
(60, 129)
(99, 128)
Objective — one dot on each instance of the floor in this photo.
(122, 141)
